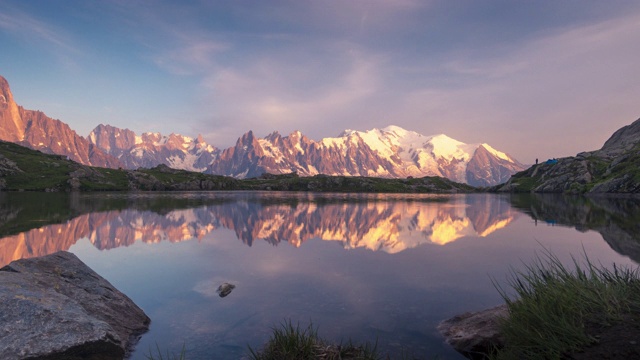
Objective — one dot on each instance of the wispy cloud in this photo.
(31, 29)
(191, 57)
(542, 92)
(281, 95)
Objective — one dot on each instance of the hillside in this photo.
(22, 168)
(615, 168)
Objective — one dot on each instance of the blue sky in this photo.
(532, 78)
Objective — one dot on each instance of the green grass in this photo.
(39, 171)
(289, 342)
(158, 355)
(553, 305)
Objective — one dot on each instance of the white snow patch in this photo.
(243, 174)
(497, 153)
(138, 140)
(138, 152)
(448, 148)
(188, 163)
(271, 151)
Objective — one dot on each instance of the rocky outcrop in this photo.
(55, 307)
(612, 169)
(475, 335)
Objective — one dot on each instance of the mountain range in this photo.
(391, 152)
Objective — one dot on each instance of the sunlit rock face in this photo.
(387, 152)
(37, 131)
(11, 124)
(378, 226)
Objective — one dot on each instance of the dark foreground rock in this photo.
(475, 335)
(56, 307)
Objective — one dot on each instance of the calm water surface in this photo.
(360, 267)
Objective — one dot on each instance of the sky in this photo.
(535, 79)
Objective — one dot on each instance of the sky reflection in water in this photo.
(358, 266)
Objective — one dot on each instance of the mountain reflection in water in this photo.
(366, 221)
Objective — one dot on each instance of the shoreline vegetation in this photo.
(584, 312)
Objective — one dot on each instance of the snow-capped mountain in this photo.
(388, 152)
(151, 149)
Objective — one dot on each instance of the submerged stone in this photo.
(56, 307)
(225, 289)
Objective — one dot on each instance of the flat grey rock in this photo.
(56, 307)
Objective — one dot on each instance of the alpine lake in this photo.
(382, 268)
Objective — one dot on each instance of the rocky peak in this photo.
(248, 142)
(151, 137)
(624, 138)
(112, 139)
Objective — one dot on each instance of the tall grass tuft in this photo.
(289, 342)
(553, 306)
(169, 356)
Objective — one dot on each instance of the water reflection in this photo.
(617, 219)
(363, 221)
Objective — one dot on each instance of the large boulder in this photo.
(475, 334)
(56, 307)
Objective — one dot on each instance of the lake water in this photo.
(357, 266)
